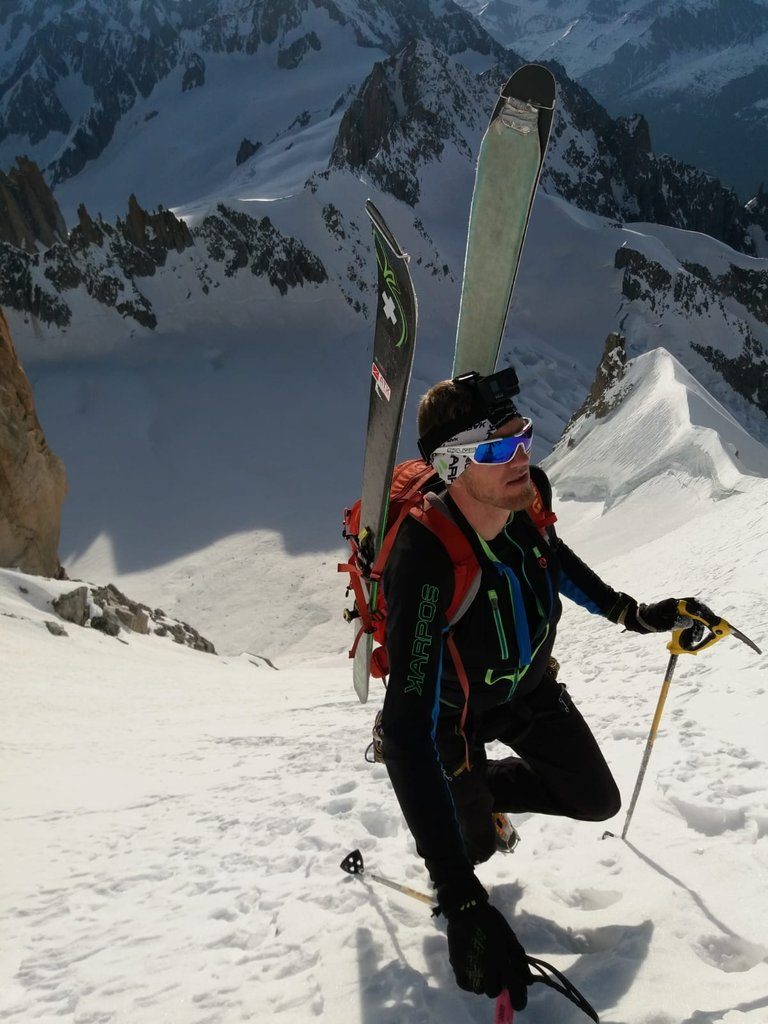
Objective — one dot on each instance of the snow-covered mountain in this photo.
(174, 96)
(244, 311)
(697, 69)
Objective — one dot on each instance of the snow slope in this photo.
(173, 822)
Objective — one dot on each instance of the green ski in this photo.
(508, 170)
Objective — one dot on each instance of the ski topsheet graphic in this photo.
(508, 169)
(393, 348)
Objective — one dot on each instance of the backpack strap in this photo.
(409, 499)
(461, 672)
(436, 516)
(542, 517)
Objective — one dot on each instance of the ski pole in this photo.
(353, 865)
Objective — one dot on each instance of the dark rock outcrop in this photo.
(32, 480)
(624, 180)
(154, 233)
(28, 212)
(293, 55)
(194, 73)
(108, 610)
(246, 150)
(73, 606)
(604, 396)
(405, 113)
(119, 611)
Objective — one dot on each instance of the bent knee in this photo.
(600, 806)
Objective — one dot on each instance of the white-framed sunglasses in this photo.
(492, 453)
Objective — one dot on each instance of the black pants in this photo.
(559, 768)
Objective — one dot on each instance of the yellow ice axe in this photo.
(687, 638)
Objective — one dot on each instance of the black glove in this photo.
(661, 616)
(485, 954)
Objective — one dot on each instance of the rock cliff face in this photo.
(406, 112)
(32, 480)
(604, 395)
(28, 212)
(735, 300)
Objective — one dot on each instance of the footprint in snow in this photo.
(710, 821)
(591, 899)
(379, 823)
(729, 953)
(345, 787)
(339, 806)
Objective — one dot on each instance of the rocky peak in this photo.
(91, 231)
(147, 230)
(28, 212)
(604, 395)
(32, 480)
(406, 112)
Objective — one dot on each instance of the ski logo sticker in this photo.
(389, 308)
(390, 295)
(381, 385)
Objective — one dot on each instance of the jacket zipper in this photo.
(493, 597)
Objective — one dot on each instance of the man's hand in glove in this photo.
(485, 954)
(663, 616)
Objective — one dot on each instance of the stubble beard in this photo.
(518, 498)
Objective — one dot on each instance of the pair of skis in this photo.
(508, 170)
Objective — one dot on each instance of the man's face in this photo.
(507, 486)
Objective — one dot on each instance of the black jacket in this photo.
(505, 639)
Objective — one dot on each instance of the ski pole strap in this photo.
(461, 672)
(561, 984)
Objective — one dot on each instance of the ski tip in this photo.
(532, 83)
(384, 231)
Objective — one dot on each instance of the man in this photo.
(496, 679)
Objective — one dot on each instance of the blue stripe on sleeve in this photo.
(577, 595)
